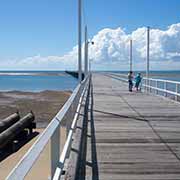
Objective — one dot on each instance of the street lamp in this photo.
(147, 59)
(130, 55)
(90, 60)
(86, 51)
(79, 40)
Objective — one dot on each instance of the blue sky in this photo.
(49, 27)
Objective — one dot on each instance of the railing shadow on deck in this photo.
(82, 160)
(95, 171)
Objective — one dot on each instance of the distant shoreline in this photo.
(33, 74)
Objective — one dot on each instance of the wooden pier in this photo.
(114, 134)
(130, 136)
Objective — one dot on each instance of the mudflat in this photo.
(44, 105)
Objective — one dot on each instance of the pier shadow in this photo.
(94, 163)
(121, 116)
(140, 118)
(16, 145)
(88, 139)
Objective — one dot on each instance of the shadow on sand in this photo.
(16, 145)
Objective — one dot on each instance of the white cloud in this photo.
(111, 51)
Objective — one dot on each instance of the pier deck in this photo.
(131, 136)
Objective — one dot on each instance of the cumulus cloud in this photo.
(111, 51)
(112, 47)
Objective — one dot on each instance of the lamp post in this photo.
(79, 41)
(130, 54)
(147, 65)
(90, 60)
(85, 52)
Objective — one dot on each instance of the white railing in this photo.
(69, 111)
(162, 87)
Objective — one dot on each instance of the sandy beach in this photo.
(45, 105)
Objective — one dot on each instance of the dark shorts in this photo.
(137, 84)
(130, 82)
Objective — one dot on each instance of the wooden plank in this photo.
(128, 131)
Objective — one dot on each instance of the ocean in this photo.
(167, 75)
(36, 81)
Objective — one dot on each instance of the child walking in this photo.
(138, 79)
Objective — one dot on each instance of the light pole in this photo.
(147, 66)
(130, 54)
(85, 53)
(79, 41)
(90, 60)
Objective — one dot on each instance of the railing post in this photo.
(176, 96)
(156, 86)
(68, 127)
(147, 85)
(55, 150)
(69, 120)
(165, 88)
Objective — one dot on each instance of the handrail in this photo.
(52, 132)
(67, 145)
(162, 90)
(148, 87)
(162, 80)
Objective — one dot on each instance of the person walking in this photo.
(138, 79)
(130, 80)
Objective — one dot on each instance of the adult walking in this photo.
(130, 80)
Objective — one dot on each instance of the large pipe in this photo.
(9, 134)
(9, 121)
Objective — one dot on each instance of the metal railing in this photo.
(69, 111)
(162, 87)
(166, 88)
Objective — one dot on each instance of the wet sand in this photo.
(45, 105)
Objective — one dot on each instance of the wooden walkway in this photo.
(131, 136)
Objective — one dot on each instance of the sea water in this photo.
(36, 81)
(166, 75)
